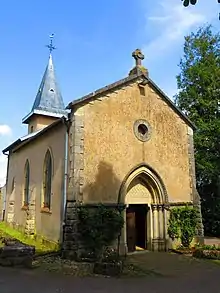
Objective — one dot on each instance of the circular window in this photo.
(142, 130)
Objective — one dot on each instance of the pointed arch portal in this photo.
(145, 197)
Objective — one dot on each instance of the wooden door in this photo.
(131, 230)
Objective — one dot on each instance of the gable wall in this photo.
(111, 149)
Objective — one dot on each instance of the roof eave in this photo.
(24, 142)
(11, 146)
(26, 119)
(102, 90)
(124, 81)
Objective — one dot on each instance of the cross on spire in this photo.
(138, 56)
(51, 46)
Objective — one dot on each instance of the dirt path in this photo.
(179, 275)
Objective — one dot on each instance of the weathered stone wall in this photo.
(76, 156)
(105, 146)
(70, 248)
(111, 149)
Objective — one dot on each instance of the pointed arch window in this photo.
(26, 183)
(47, 180)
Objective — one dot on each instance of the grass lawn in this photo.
(7, 231)
(216, 261)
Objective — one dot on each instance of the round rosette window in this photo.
(142, 130)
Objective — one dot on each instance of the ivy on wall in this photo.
(182, 224)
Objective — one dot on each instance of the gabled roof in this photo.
(31, 136)
(48, 100)
(131, 78)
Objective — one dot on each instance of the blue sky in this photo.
(94, 41)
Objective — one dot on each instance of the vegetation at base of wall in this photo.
(41, 246)
(182, 224)
(198, 97)
(208, 247)
(207, 251)
(99, 227)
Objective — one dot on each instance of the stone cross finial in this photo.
(138, 56)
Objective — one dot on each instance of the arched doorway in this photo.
(145, 197)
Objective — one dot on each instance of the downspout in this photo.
(6, 189)
(66, 122)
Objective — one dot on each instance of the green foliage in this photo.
(174, 224)
(192, 2)
(99, 227)
(199, 98)
(208, 252)
(182, 224)
(187, 2)
(208, 247)
(40, 244)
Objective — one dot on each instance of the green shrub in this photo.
(99, 227)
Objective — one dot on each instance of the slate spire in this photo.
(48, 101)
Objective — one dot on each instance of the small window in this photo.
(32, 128)
(51, 90)
(47, 180)
(26, 183)
(142, 90)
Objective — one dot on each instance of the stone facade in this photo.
(70, 247)
(71, 243)
(108, 152)
(30, 225)
(76, 156)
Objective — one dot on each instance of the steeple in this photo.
(48, 101)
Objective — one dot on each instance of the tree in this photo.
(199, 98)
(187, 2)
(192, 2)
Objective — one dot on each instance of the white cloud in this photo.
(3, 169)
(5, 129)
(172, 22)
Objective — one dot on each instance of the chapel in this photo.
(125, 144)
